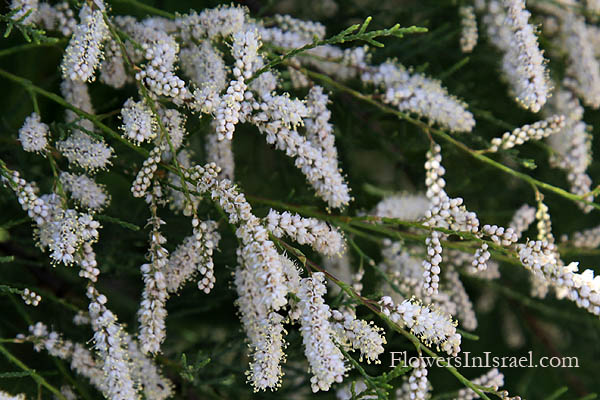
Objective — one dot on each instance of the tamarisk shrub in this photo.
(257, 200)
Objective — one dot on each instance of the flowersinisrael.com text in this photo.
(486, 360)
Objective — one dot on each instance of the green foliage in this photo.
(30, 33)
(346, 36)
(190, 372)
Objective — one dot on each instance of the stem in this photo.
(57, 181)
(373, 224)
(539, 306)
(342, 37)
(40, 380)
(147, 8)
(34, 102)
(370, 382)
(29, 46)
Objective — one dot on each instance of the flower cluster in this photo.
(244, 51)
(116, 365)
(85, 151)
(57, 17)
(82, 147)
(205, 66)
(112, 68)
(174, 125)
(159, 74)
(85, 190)
(521, 220)
(444, 212)
(33, 134)
(589, 238)
(278, 118)
(139, 123)
(535, 131)
(62, 231)
(583, 72)
(416, 386)
(432, 326)
(259, 278)
(30, 297)
(481, 257)
(143, 179)
(582, 288)
(193, 255)
(523, 62)
(36, 208)
(66, 232)
(25, 9)
(572, 144)
(405, 206)
(359, 335)
(84, 53)
(493, 378)
(318, 234)
(318, 128)
(153, 312)
(468, 35)
(432, 264)
(325, 359)
(81, 358)
(499, 235)
(415, 93)
(145, 373)
(523, 59)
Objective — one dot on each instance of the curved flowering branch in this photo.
(446, 137)
(581, 288)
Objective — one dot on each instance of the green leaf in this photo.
(559, 392)
(364, 26)
(117, 221)
(8, 30)
(528, 163)
(6, 375)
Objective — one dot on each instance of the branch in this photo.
(146, 7)
(144, 91)
(346, 35)
(39, 379)
(375, 309)
(29, 32)
(27, 84)
(29, 46)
